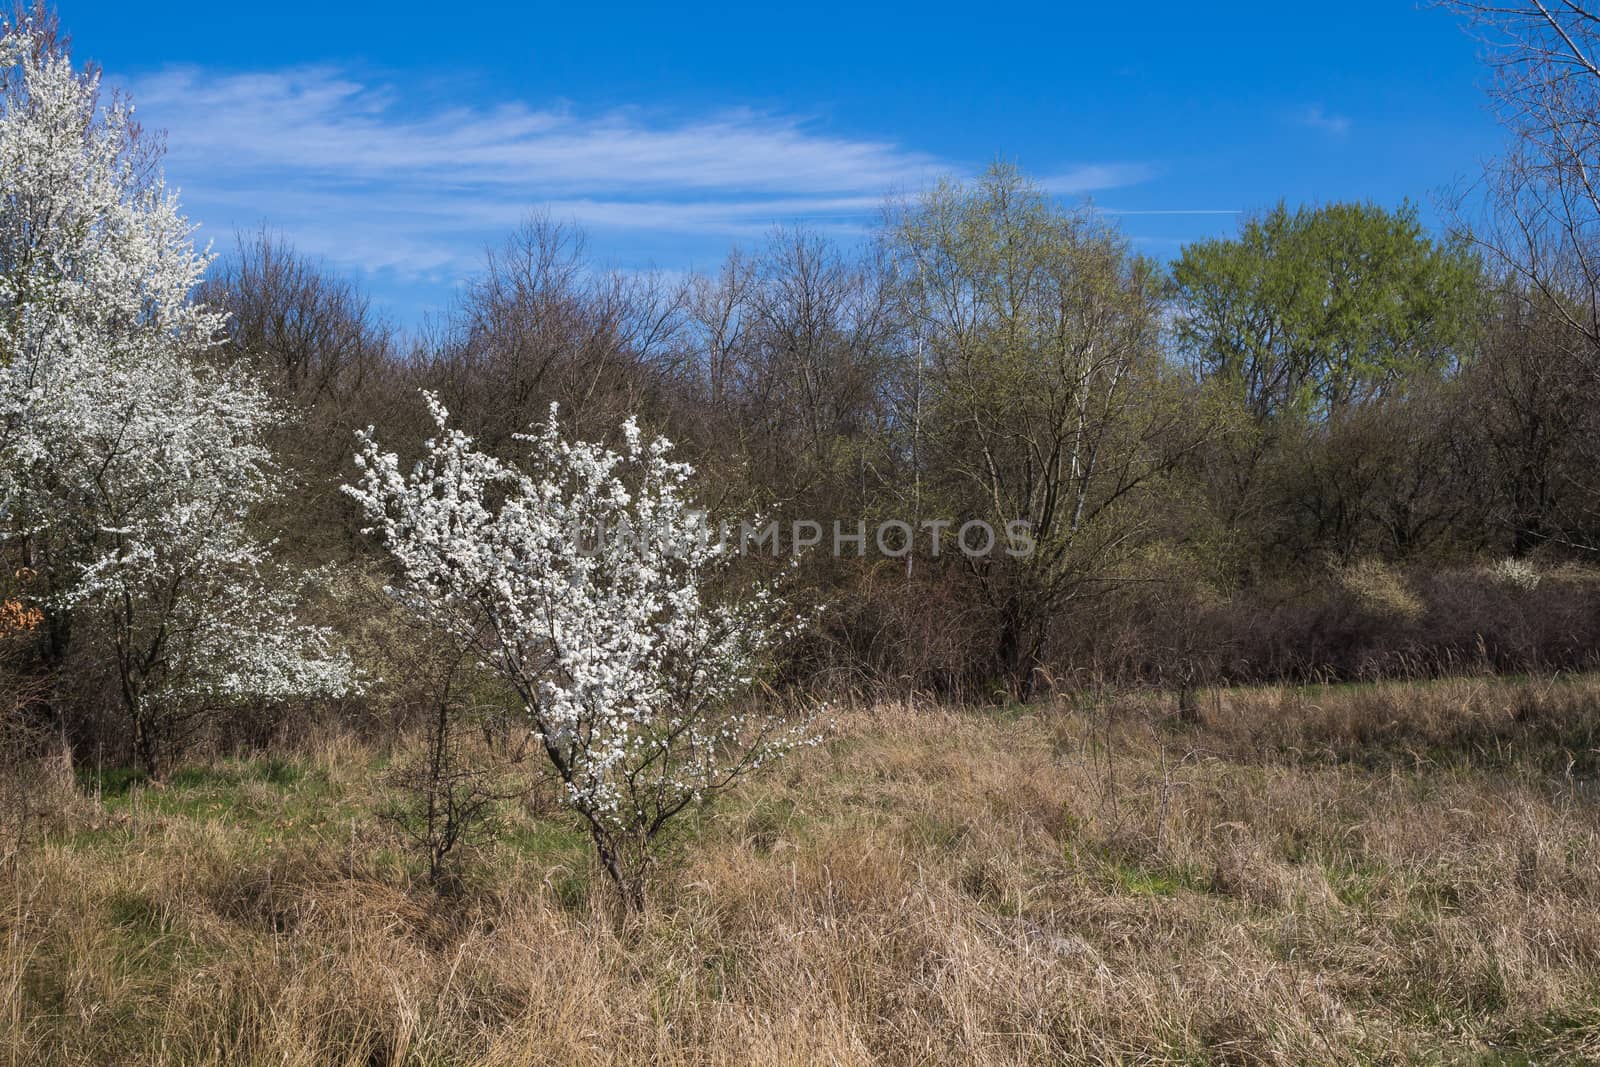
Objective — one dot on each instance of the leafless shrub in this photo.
(446, 794)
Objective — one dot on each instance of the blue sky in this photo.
(398, 141)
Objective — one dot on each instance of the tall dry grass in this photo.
(1383, 874)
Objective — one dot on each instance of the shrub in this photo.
(583, 582)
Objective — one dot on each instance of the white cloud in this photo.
(320, 121)
(1093, 177)
(357, 172)
(1316, 118)
(1172, 211)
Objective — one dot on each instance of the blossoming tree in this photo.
(583, 579)
(131, 456)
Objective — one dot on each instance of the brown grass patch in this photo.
(1381, 874)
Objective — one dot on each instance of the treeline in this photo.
(1330, 446)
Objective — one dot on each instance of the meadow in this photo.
(1390, 873)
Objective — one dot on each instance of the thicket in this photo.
(1224, 486)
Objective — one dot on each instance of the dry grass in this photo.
(1366, 875)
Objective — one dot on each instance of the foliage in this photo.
(1312, 311)
(1046, 407)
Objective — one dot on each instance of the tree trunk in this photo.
(146, 746)
(1018, 654)
(1188, 704)
(629, 884)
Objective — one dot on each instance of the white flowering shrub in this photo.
(582, 578)
(1516, 573)
(131, 457)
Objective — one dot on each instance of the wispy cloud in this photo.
(355, 171)
(1094, 177)
(1172, 211)
(1318, 118)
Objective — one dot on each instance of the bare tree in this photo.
(1543, 206)
(315, 340)
(542, 324)
(312, 335)
(1529, 425)
(1543, 222)
(720, 310)
(813, 382)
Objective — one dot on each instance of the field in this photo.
(1395, 873)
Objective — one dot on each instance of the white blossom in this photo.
(131, 455)
(583, 578)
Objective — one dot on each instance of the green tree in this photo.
(1309, 312)
(1045, 403)
(1328, 331)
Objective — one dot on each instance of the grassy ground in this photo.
(1374, 875)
